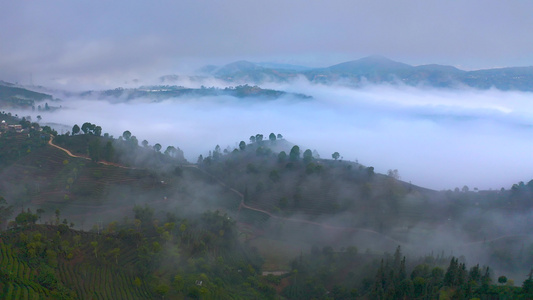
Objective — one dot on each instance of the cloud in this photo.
(439, 139)
(108, 41)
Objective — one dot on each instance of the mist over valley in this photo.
(437, 138)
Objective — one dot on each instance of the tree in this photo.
(258, 138)
(294, 155)
(126, 135)
(92, 127)
(144, 214)
(394, 174)
(280, 137)
(308, 155)
(97, 130)
(75, 129)
(179, 154)
(57, 213)
(335, 155)
(177, 283)
(162, 290)
(272, 137)
(133, 142)
(39, 118)
(217, 153)
(282, 156)
(242, 145)
(144, 143)
(170, 151)
(502, 280)
(450, 278)
(94, 244)
(26, 218)
(252, 139)
(86, 127)
(157, 147)
(5, 211)
(527, 286)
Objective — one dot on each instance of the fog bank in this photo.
(439, 139)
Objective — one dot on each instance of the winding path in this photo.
(85, 157)
(294, 220)
(341, 228)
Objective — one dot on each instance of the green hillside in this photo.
(17, 97)
(87, 216)
(198, 257)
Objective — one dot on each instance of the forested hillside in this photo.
(89, 216)
(12, 96)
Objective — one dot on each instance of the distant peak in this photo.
(369, 63)
(376, 58)
(238, 66)
(241, 63)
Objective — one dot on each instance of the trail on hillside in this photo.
(334, 227)
(294, 220)
(85, 157)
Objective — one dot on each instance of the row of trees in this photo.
(258, 138)
(319, 273)
(87, 128)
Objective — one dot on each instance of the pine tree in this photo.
(451, 273)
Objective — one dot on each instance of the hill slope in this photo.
(12, 96)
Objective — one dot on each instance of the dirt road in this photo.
(85, 157)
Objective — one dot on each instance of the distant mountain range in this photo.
(378, 69)
(243, 78)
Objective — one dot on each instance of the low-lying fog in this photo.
(439, 139)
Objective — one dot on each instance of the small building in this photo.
(16, 128)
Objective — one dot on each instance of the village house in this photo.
(16, 128)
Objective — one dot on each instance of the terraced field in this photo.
(21, 283)
(101, 282)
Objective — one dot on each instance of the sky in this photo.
(80, 42)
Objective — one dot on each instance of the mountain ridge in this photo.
(379, 69)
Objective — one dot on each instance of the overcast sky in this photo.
(104, 41)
